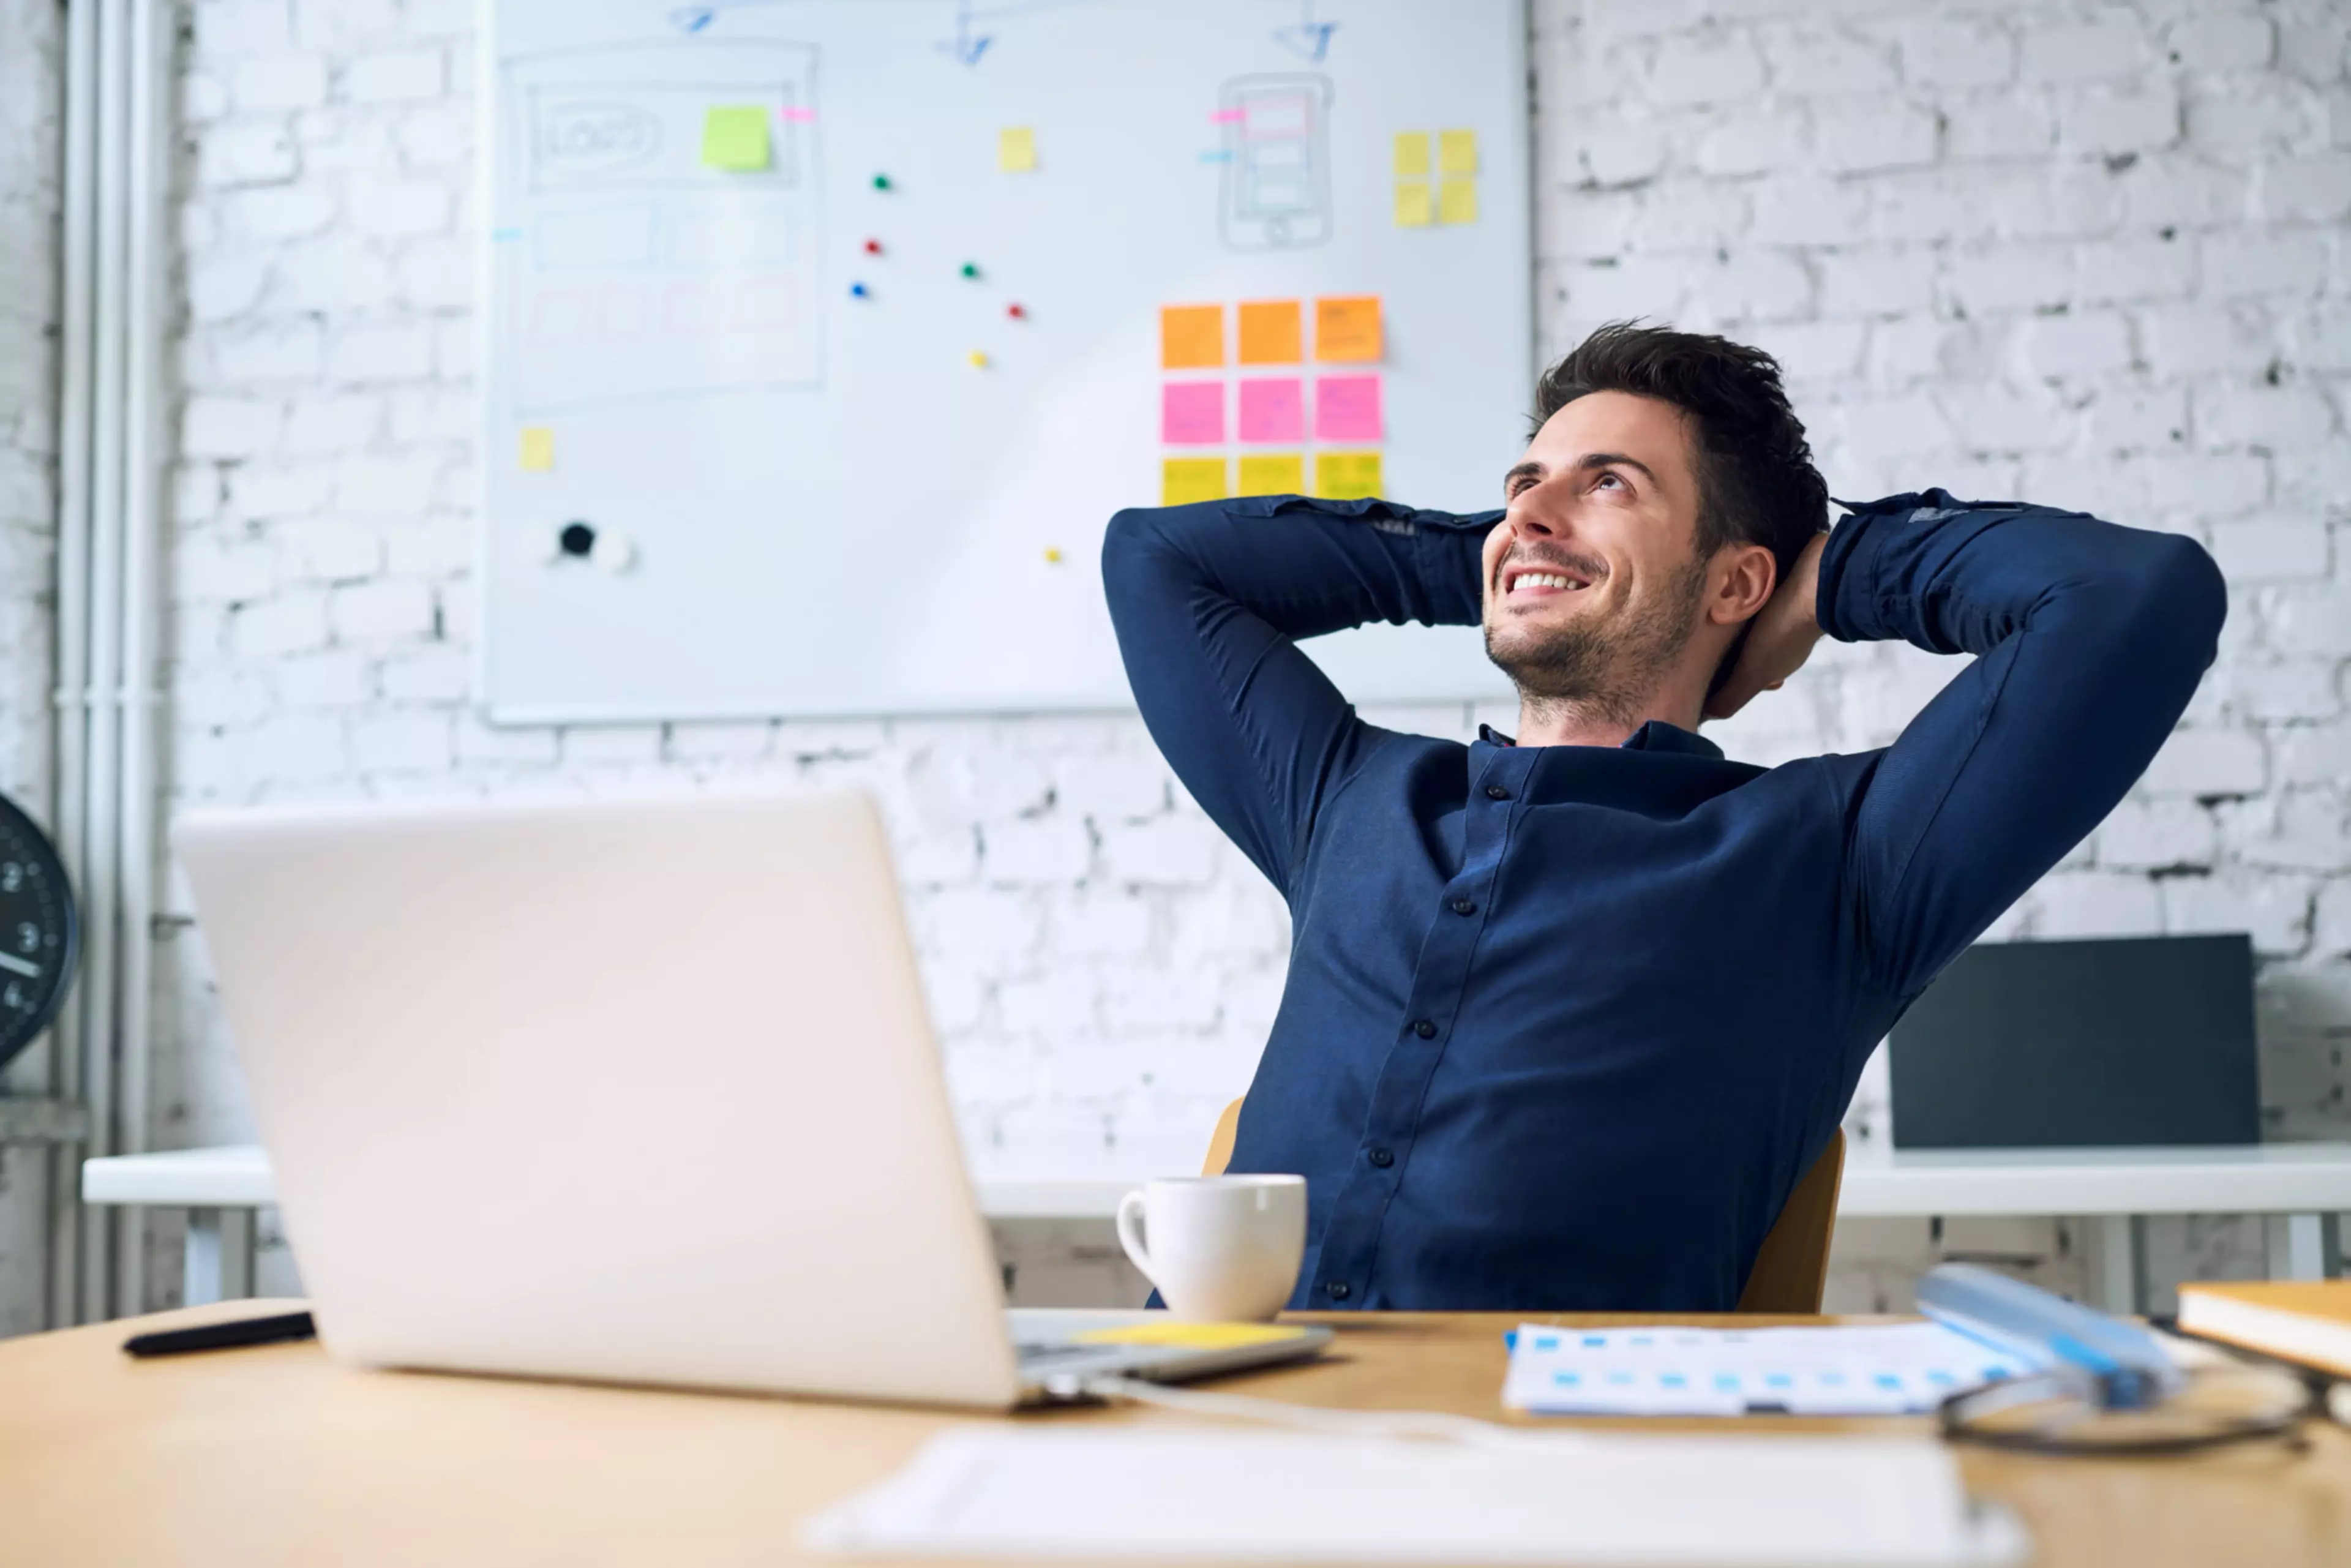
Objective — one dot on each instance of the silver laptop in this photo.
(641, 1092)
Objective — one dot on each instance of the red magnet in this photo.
(1018, 312)
(874, 247)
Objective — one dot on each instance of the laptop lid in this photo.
(640, 1091)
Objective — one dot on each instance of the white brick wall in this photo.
(2090, 254)
(29, 43)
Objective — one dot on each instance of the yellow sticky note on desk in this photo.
(1411, 154)
(1456, 200)
(1347, 475)
(1184, 480)
(735, 137)
(537, 455)
(1191, 1336)
(1412, 207)
(1456, 153)
(1016, 149)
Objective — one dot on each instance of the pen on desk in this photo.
(238, 1332)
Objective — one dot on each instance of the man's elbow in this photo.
(2186, 595)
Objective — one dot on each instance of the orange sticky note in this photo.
(1270, 332)
(1184, 480)
(1273, 474)
(1346, 476)
(1347, 329)
(1191, 336)
(537, 455)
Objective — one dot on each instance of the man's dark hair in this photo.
(1756, 481)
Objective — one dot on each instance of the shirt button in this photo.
(1465, 906)
(1423, 1028)
(1383, 1158)
(1496, 792)
(1338, 1290)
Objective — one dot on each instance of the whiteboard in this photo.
(823, 476)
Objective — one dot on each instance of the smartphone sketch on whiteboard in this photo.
(1276, 185)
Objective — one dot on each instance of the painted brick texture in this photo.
(2094, 256)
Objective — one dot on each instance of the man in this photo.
(1568, 1016)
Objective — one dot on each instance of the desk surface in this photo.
(2272, 1179)
(276, 1456)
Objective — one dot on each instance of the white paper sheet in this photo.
(1876, 1369)
(1225, 1495)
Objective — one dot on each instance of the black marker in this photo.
(231, 1335)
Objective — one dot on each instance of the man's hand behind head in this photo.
(1784, 631)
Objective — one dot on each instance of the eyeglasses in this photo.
(2069, 1412)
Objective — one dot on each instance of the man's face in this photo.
(1592, 580)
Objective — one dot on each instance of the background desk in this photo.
(2301, 1189)
(275, 1455)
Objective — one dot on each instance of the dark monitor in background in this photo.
(2143, 1040)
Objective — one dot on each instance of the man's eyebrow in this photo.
(1529, 469)
(1617, 459)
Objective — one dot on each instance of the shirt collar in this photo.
(1655, 735)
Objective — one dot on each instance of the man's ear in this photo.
(1740, 583)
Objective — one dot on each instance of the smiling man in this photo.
(1568, 1015)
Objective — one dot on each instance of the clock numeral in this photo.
(28, 937)
(12, 876)
(15, 995)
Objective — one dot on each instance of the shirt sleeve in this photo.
(1209, 602)
(2089, 640)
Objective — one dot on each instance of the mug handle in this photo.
(1129, 1234)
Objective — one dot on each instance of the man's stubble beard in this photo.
(1603, 668)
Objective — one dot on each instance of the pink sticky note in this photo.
(1192, 413)
(1346, 408)
(1273, 409)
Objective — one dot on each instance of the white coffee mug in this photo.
(1220, 1248)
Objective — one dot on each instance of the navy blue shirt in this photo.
(1564, 1025)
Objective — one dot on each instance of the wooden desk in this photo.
(276, 1456)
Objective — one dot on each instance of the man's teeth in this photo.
(1543, 579)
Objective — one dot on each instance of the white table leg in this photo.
(2296, 1245)
(200, 1263)
(2117, 1266)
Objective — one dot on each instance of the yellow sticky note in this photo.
(1412, 210)
(1016, 149)
(1184, 480)
(1456, 153)
(1270, 332)
(1346, 476)
(1191, 336)
(1281, 474)
(1195, 1336)
(1347, 329)
(1411, 154)
(735, 137)
(1456, 200)
(537, 448)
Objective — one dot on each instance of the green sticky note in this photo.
(735, 137)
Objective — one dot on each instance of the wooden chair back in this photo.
(1791, 1267)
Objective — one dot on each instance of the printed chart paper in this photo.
(1889, 1369)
